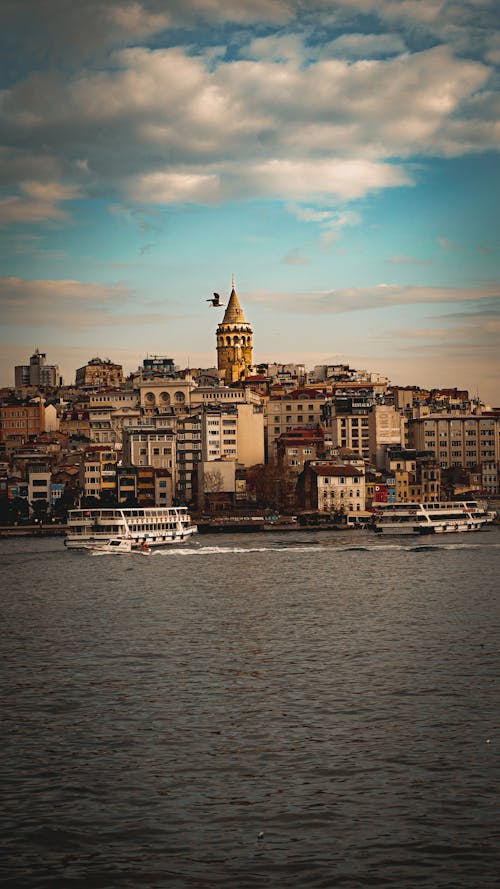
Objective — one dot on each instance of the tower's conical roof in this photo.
(234, 312)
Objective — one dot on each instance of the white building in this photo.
(338, 488)
(39, 479)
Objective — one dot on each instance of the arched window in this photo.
(180, 397)
(150, 398)
(165, 398)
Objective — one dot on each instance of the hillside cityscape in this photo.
(332, 442)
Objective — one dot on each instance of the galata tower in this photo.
(234, 342)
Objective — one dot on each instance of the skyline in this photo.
(341, 160)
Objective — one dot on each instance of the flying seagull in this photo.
(215, 300)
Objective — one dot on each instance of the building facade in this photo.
(37, 372)
(97, 373)
(458, 441)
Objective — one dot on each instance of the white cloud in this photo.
(343, 178)
(175, 188)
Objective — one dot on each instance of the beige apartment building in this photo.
(350, 431)
(302, 408)
(146, 445)
(456, 441)
(99, 373)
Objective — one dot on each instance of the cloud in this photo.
(294, 257)
(70, 305)
(39, 202)
(445, 244)
(343, 178)
(356, 299)
(175, 188)
(407, 260)
(161, 126)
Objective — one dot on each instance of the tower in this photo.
(234, 342)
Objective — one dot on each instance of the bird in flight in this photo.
(215, 300)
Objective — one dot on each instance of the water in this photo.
(263, 710)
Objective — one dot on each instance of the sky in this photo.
(340, 159)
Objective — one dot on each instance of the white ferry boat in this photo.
(431, 518)
(151, 525)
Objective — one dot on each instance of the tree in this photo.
(40, 509)
(272, 483)
(66, 501)
(213, 484)
(19, 509)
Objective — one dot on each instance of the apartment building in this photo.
(330, 488)
(98, 373)
(189, 454)
(75, 423)
(219, 433)
(367, 428)
(20, 420)
(39, 477)
(455, 441)
(416, 476)
(98, 472)
(386, 428)
(144, 444)
(301, 408)
(37, 372)
(296, 448)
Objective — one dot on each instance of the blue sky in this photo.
(340, 159)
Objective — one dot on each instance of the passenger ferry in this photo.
(151, 525)
(431, 518)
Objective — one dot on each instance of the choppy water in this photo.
(294, 710)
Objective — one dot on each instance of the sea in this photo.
(305, 710)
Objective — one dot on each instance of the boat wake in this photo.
(319, 548)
